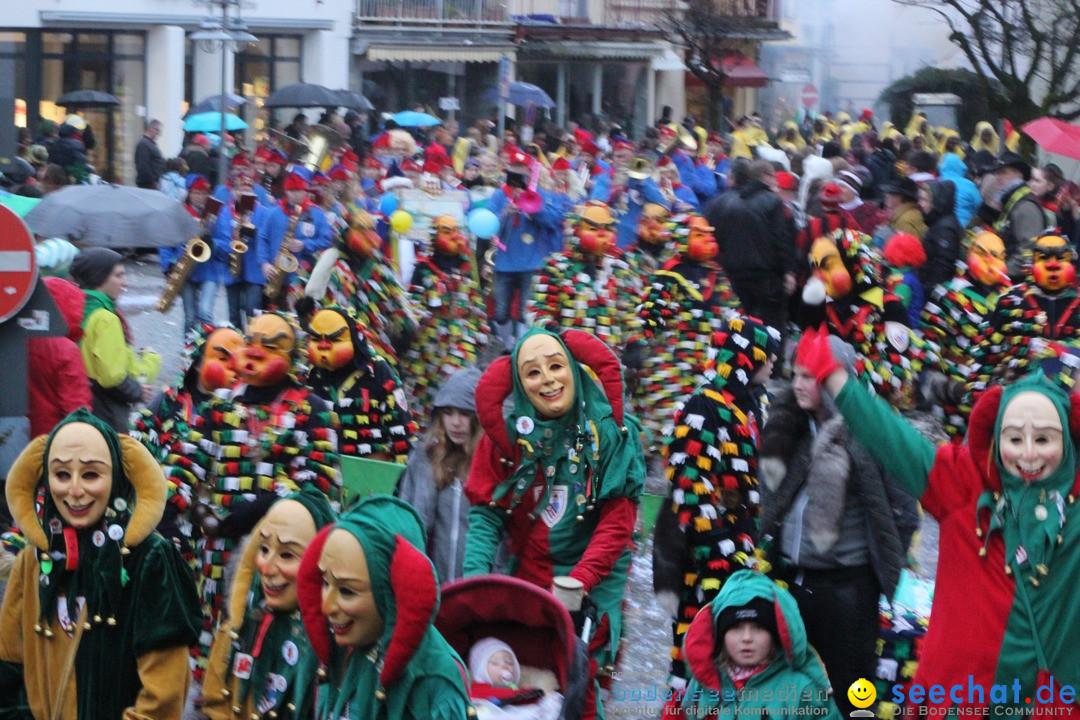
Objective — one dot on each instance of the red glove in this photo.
(814, 354)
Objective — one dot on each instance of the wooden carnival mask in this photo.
(282, 537)
(829, 268)
(546, 375)
(330, 345)
(700, 241)
(348, 600)
(267, 356)
(80, 474)
(361, 237)
(449, 239)
(652, 227)
(1052, 263)
(594, 231)
(986, 260)
(218, 367)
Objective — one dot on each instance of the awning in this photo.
(670, 60)
(741, 71)
(593, 50)
(435, 54)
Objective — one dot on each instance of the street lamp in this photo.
(227, 34)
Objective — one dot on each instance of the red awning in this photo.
(741, 71)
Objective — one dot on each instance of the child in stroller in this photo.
(485, 616)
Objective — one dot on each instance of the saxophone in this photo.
(243, 231)
(284, 262)
(196, 251)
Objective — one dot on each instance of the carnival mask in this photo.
(267, 357)
(700, 242)
(986, 260)
(449, 239)
(218, 368)
(651, 227)
(546, 375)
(348, 600)
(828, 267)
(1052, 263)
(361, 237)
(594, 230)
(330, 344)
(283, 535)
(80, 472)
(1031, 443)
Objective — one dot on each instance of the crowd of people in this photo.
(809, 332)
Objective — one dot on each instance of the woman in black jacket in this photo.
(942, 238)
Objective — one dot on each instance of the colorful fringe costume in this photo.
(577, 290)
(712, 466)
(453, 325)
(953, 318)
(684, 304)
(368, 401)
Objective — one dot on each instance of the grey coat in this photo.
(790, 454)
(445, 513)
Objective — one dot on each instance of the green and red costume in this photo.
(565, 491)
(1004, 603)
(410, 672)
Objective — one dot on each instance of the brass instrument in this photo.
(284, 262)
(640, 168)
(243, 231)
(687, 140)
(196, 251)
(312, 151)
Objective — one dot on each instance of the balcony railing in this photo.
(433, 12)
(634, 12)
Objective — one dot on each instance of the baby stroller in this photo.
(527, 618)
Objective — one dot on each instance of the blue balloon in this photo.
(388, 203)
(483, 223)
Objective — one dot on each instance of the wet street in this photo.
(644, 659)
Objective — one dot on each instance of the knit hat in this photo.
(92, 267)
(787, 181)
(201, 140)
(459, 391)
(479, 655)
(904, 250)
(851, 180)
(759, 610)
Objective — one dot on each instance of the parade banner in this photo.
(425, 207)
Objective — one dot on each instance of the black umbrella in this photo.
(86, 98)
(373, 91)
(353, 100)
(303, 95)
(213, 104)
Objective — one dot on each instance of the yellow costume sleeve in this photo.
(165, 676)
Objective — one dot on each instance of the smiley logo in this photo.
(862, 693)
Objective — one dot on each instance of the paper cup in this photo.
(569, 592)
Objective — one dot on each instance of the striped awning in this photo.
(436, 53)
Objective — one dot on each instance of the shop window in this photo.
(57, 43)
(12, 42)
(93, 43)
(129, 44)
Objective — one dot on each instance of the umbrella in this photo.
(1055, 136)
(302, 95)
(113, 216)
(18, 204)
(353, 100)
(523, 93)
(411, 118)
(372, 91)
(86, 98)
(211, 122)
(213, 104)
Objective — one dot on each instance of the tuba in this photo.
(196, 251)
(284, 262)
(243, 232)
(640, 168)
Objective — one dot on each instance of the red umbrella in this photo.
(1055, 136)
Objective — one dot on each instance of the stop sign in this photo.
(810, 95)
(18, 266)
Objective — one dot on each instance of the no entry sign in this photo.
(18, 266)
(810, 95)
